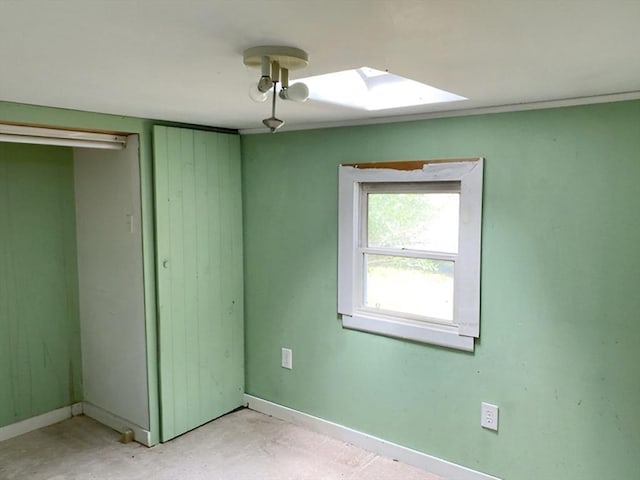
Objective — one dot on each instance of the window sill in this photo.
(433, 334)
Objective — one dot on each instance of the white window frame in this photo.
(460, 333)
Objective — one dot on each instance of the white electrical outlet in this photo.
(489, 416)
(287, 358)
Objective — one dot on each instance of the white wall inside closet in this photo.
(110, 275)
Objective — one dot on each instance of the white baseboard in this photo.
(409, 456)
(77, 409)
(119, 424)
(40, 421)
(106, 418)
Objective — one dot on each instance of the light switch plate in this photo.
(287, 358)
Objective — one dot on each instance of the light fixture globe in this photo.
(298, 92)
(256, 95)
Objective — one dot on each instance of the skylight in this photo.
(370, 89)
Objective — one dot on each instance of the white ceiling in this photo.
(181, 60)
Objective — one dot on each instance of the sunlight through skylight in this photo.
(370, 89)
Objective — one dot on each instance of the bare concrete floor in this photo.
(239, 446)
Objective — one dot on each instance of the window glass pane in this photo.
(420, 221)
(409, 285)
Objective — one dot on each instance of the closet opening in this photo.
(71, 277)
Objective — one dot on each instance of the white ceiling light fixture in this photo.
(64, 138)
(275, 63)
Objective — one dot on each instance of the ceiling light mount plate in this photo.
(291, 58)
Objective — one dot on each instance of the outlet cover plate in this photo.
(489, 416)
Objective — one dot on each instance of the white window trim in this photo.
(466, 323)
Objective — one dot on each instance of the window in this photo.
(409, 250)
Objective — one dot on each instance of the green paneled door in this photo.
(199, 264)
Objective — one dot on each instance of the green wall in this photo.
(560, 274)
(40, 364)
